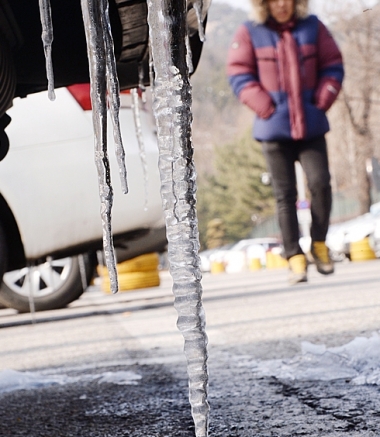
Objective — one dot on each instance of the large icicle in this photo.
(47, 40)
(172, 108)
(92, 16)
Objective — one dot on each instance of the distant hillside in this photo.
(218, 116)
(223, 21)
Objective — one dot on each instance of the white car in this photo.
(374, 238)
(341, 235)
(49, 198)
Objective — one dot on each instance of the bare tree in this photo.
(355, 117)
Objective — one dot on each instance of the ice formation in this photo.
(198, 7)
(104, 82)
(47, 39)
(32, 307)
(95, 17)
(172, 109)
(169, 25)
(140, 139)
(357, 361)
(141, 83)
(189, 56)
(113, 94)
(12, 380)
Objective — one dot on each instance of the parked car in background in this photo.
(50, 224)
(341, 235)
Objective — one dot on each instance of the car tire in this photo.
(7, 76)
(3, 253)
(142, 263)
(133, 281)
(55, 284)
(139, 272)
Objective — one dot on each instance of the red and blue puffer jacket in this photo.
(288, 77)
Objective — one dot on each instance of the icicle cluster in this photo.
(104, 79)
(172, 109)
(170, 59)
(104, 82)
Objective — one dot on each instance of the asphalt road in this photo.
(252, 317)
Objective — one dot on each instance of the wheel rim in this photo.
(40, 280)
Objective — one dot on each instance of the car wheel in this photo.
(49, 285)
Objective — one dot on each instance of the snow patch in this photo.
(358, 361)
(120, 378)
(11, 380)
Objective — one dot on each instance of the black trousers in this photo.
(312, 154)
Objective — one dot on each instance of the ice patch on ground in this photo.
(11, 380)
(120, 378)
(358, 361)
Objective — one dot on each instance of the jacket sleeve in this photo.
(243, 76)
(330, 69)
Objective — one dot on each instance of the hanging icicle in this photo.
(189, 55)
(47, 40)
(140, 141)
(142, 87)
(198, 6)
(172, 109)
(113, 94)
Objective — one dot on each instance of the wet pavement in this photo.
(251, 317)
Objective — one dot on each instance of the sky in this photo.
(317, 7)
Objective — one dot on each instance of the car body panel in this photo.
(374, 238)
(341, 235)
(49, 177)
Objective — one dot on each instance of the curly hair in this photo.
(260, 12)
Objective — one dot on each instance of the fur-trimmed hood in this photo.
(260, 10)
